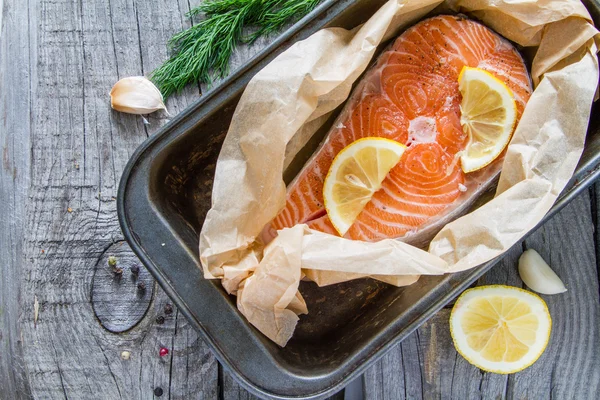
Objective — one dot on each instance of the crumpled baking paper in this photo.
(286, 102)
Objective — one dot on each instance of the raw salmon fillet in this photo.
(411, 95)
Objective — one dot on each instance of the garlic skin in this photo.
(136, 95)
(538, 275)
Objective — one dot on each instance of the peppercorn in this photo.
(158, 392)
(163, 351)
(160, 320)
(135, 269)
(141, 286)
(168, 309)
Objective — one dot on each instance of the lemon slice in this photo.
(500, 329)
(488, 116)
(355, 174)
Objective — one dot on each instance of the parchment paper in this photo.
(289, 99)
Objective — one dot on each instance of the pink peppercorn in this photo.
(163, 351)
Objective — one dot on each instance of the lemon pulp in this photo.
(355, 175)
(488, 117)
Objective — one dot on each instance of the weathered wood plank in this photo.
(594, 192)
(79, 148)
(16, 70)
(434, 370)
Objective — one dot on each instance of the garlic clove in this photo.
(538, 275)
(136, 95)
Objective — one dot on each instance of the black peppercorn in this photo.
(135, 269)
(158, 392)
(141, 286)
(168, 309)
(160, 320)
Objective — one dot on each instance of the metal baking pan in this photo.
(165, 193)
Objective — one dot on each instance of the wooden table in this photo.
(67, 324)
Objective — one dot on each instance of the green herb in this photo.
(201, 53)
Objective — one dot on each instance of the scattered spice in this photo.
(69, 210)
(160, 320)
(163, 351)
(158, 392)
(168, 309)
(135, 269)
(125, 355)
(112, 261)
(141, 286)
(43, 251)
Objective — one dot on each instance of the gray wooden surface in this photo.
(66, 318)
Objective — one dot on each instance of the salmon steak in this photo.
(411, 95)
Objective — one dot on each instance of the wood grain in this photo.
(426, 366)
(16, 70)
(78, 149)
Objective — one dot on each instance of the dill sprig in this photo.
(202, 52)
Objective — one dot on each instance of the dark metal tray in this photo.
(165, 193)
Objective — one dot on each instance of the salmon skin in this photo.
(411, 96)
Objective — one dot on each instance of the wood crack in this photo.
(112, 36)
(112, 142)
(60, 373)
(108, 366)
(594, 209)
(172, 352)
(83, 107)
(454, 370)
(137, 22)
(421, 361)
(220, 387)
(552, 381)
(403, 372)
